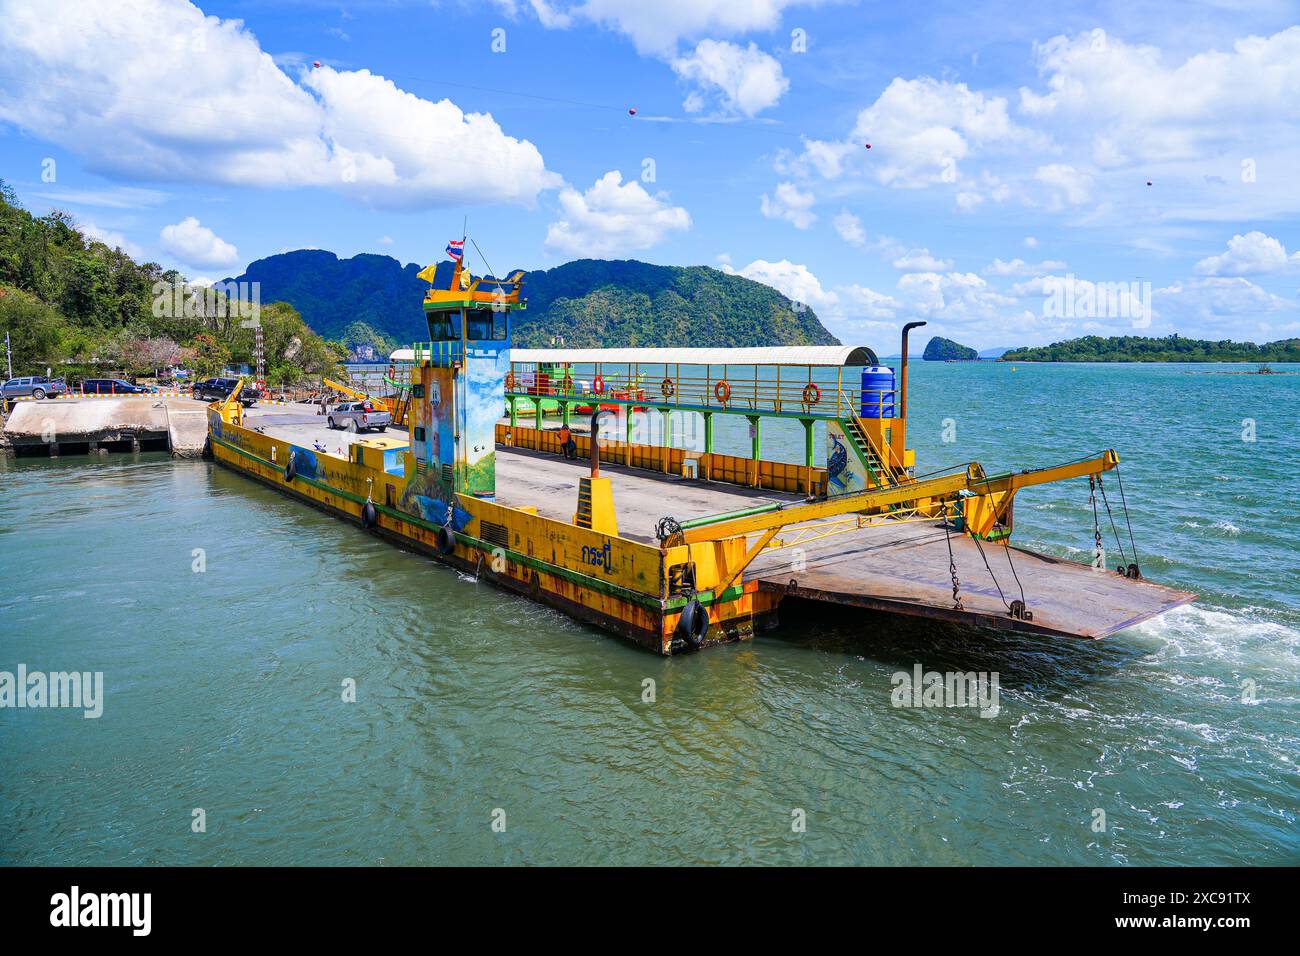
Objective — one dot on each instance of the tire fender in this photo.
(291, 466)
(445, 540)
(693, 625)
(369, 515)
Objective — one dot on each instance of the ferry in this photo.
(677, 548)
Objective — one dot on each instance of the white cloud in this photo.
(612, 218)
(1089, 306)
(1231, 307)
(738, 79)
(956, 296)
(385, 240)
(850, 228)
(547, 13)
(794, 280)
(1251, 254)
(114, 240)
(919, 130)
(1031, 242)
(1216, 132)
(1068, 183)
(909, 259)
(195, 244)
(119, 197)
(827, 159)
(860, 300)
(788, 203)
(153, 89)
(655, 27)
(1019, 267)
(920, 260)
(1129, 106)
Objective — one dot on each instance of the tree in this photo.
(209, 355)
(35, 330)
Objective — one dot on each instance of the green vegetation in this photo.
(1172, 348)
(585, 304)
(72, 304)
(592, 303)
(939, 349)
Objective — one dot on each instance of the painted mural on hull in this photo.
(845, 471)
(484, 384)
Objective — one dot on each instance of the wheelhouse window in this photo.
(487, 324)
(444, 326)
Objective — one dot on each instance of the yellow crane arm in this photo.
(345, 389)
(940, 487)
(972, 480)
(1015, 480)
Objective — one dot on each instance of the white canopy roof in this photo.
(834, 355)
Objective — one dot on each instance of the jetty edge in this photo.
(711, 544)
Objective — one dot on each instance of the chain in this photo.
(1096, 525)
(952, 564)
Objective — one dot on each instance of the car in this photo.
(218, 389)
(111, 386)
(36, 386)
(355, 416)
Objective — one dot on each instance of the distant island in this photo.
(588, 303)
(1171, 348)
(940, 349)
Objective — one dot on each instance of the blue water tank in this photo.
(877, 392)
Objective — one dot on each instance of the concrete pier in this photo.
(70, 426)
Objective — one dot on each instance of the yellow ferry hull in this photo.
(545, 560)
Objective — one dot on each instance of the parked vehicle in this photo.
(355, 416)
(112, 386)
(218, 389)
(36, 386)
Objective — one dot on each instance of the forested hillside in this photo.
(586, 303)
(72, 304)
(1172, 348)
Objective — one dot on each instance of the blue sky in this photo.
(1004, 198)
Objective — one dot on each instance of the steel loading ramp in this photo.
(902, 567)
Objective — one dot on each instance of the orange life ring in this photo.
(510, 381)
(598, 385)
(667, 388)
(811, 394)
(722, 391)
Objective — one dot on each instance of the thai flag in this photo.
(456, 249)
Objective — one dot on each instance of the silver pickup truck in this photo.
(357, 416)
(37, 386)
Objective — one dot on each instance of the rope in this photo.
(980, 548)
(1010, 564)
(1124, 503)
(1110, 515)
(500, 287)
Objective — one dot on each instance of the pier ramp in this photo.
(906, 568)
(77, 426)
